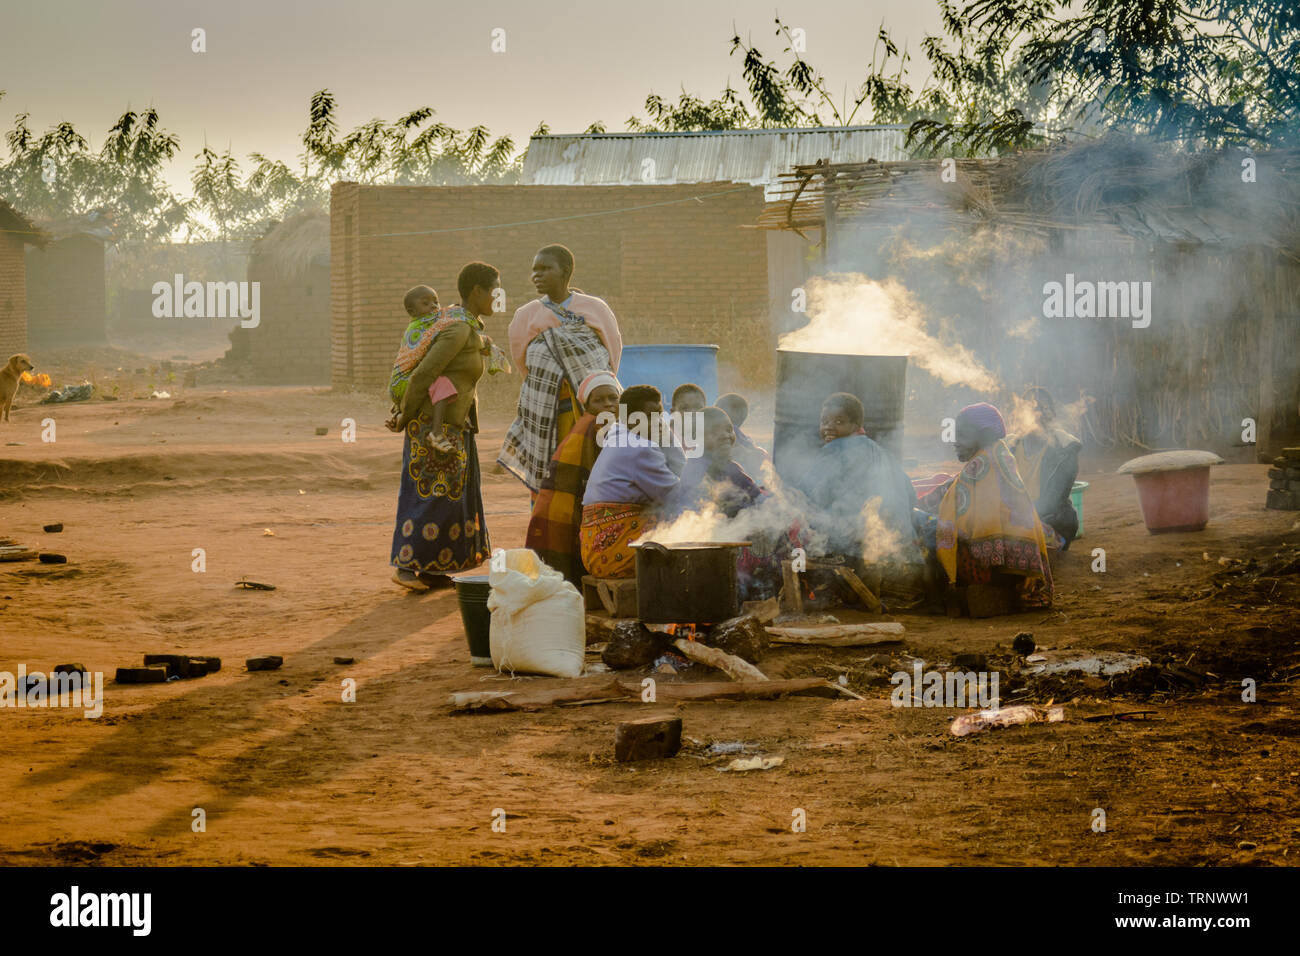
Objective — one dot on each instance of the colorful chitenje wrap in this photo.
(557, 360)
(553, 530)
(440, 524)
(557, 513)
(988, 527)
(607, 532)
(417, 338)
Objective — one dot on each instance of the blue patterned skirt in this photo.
(440, 524)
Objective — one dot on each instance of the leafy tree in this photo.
(56, 174)
(415, 149)
(1207, 72)
(798, 95)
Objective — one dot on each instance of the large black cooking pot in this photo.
(689, 583)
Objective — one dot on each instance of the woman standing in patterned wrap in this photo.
(556, 341)
(440, 526)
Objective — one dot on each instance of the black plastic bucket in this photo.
(472, 592)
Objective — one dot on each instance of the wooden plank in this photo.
(839, 635)
(745, 690)
(536, 698)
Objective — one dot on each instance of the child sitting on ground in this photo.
(688, 399)
(750, 456)
(427, 320)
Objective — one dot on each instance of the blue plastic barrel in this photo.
(667, 366)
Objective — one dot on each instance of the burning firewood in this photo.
(791, 596)
(734, 667)
(868, 599)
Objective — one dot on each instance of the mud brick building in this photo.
(675, 263)
(16, 233)
(661, 225)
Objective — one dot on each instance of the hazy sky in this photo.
(566, 63)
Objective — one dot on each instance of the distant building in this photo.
(16, 233)
(66, 303)
(661, 224)
(754, 156)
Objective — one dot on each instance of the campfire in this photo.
(682, 630)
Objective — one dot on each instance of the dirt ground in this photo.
(287, 773)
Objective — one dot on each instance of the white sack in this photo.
(538, 622)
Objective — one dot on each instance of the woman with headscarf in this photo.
(987, 531)
(557, 512)
(1047, 458)
(556, 341)
(629, 486)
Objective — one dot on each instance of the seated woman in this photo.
(715, 477)
(1047, 458)
(848, 471)
(557, 513)
(987, 531)
(629, 482)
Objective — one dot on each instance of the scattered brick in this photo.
(141, 675)
(648, 738)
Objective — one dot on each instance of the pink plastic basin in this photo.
(1175, 500)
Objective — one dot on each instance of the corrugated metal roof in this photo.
(742, 156)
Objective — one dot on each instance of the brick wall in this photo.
(681, 273)
(65, 294)
(13, 297)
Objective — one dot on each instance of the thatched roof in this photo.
(98, 224)
(292, 247)
(1109, 184)
(15, 224)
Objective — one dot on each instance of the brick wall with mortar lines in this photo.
(13, 298)
(681, 273)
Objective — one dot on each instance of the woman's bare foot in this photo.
(436, 582)
(409, 579)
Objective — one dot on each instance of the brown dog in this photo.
(10, 376)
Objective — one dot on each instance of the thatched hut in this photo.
(982, 245)
(291, 344)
